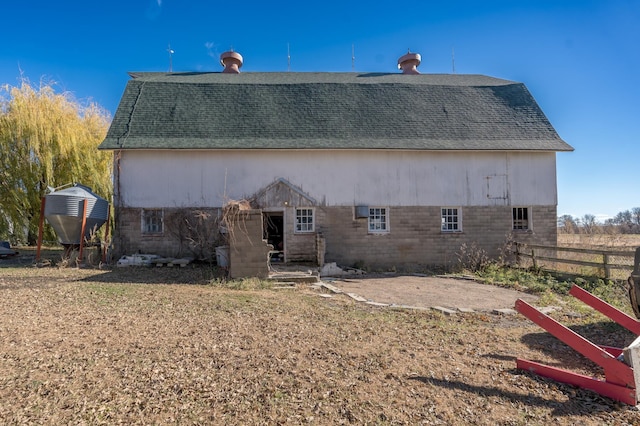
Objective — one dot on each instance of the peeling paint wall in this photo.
(175, 178)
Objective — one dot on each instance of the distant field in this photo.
(622, 241)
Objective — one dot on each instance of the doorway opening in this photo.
(274, 234)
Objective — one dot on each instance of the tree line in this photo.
(47, 140)
(625, 222)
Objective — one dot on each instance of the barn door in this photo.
(273, 228)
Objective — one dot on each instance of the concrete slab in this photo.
(410, 290)
(505, 311)
(413, 308)
(331, 288)
(443, 310)
(383, 305)
(356, 297)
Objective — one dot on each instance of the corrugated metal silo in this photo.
(63, 210)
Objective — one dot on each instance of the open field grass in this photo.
(166, 346)
(600, 241)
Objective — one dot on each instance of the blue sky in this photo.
(579, 59)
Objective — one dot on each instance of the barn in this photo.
(378, 170)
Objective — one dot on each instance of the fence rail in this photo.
(607, 264)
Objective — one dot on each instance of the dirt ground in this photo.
(430, 291)
(169, 346)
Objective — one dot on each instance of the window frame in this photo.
(519, 224)
(447, 213)
(383, 212)
(145, 224)
(297, 227)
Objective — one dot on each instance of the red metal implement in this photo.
(620, 382)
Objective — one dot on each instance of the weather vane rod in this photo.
(353, 57)
(171, 52)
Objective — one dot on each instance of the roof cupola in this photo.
(231, 61)
(409, 62)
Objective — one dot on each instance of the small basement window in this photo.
(304, 220)
(521, 220)
(451, 219)
(152, 221)
(378, 220)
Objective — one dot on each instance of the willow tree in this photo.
(47, 140)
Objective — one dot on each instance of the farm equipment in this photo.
(74, 213)
(621, 366)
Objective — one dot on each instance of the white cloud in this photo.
(153, 9)
(212, 49)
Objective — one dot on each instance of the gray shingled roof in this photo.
(329, 111)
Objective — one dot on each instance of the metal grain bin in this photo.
(63, 210)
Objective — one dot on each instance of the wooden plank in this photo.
(577, 262)
(579, 250)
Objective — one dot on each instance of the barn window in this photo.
(378, 220)
(304, 220)
(451, 219)
(521, 221)
(152, 221)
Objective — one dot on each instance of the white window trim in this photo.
(529, 219)
(313, 221)
(386, 221)
(458, 215)
(142, 222)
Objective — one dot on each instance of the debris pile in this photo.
(152, 260)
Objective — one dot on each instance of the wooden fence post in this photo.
(605, 263)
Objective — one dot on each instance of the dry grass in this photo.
(600, 241)
(160, 346)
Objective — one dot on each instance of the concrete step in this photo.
(294, 277)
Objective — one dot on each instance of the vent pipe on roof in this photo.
(409, 62)
(231, 61)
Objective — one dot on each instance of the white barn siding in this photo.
(180, 178)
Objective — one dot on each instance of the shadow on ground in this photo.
(583, 403)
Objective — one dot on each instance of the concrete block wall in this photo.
(300, 247)
(321, 248)
(248, 251)
(128, 237)
(415, 238)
